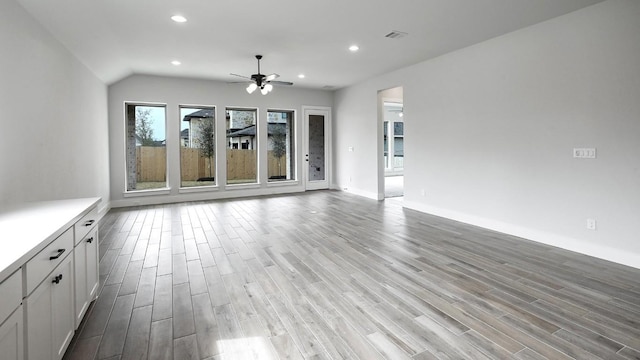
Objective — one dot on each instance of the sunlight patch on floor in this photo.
(246, 348)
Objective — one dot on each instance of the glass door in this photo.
(316, 156)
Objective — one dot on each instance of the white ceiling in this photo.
(116, 38)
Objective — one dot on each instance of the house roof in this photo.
(200, 114)
(251, 130)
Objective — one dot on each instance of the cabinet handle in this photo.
(56, 280)
(60, 252)
(90, 240)
(89, 223)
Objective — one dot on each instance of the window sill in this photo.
(283, 183)
(151, 192)
(198, 189)
(242, 186)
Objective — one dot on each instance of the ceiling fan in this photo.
(264, 82)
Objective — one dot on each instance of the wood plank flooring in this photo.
(329, 275)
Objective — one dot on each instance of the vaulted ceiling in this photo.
(117, 38)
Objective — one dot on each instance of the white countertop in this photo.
(27, 228)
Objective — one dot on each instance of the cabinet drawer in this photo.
(84, 225)
(46, 260)
(10, 294)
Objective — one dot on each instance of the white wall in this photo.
(489, 132)
(181, 91)
(53, 142)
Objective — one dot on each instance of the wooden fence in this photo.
(193, 166)
(151, 163)
(241, 164)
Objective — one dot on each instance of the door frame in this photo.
(318, 184)
(383, 95)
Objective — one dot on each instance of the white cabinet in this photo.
(48, 278)
(50, 314)
(11, 326)
(86, 273)
(11, 337)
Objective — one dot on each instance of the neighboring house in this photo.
(189, 136)
(246, 138)
(184, 138)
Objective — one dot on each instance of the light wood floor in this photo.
(328, 275)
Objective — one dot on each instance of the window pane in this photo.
(197, 146)
(146, 147)
(398, 145)
(280, 133)
(242, 145)
(398, 128)
(317, 151)
(385, 145)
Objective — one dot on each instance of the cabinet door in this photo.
(50, 314)
(40, 322)
(63, 309)
(11, 337)
(86, 274)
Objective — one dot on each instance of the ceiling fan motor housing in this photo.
(258, 78)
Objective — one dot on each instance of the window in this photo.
(398, 145)
(197, 146)
(242, 145)
(386, 145)
(146, 155)
(281, 160)
(393, 141)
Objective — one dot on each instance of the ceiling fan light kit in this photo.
(252, 87)
(264, 82)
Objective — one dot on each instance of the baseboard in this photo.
(563, 242)
(229, 193)
(359, 192)
(103, 209)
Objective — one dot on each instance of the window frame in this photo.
(296, 152)
(145, 192)
(216, 160)
(247, 185)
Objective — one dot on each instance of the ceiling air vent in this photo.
(396, 34)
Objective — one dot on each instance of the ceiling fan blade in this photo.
(242, 76)
(280, 83)
(271, 77)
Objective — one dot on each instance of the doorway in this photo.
(392, 117)
(316, 163)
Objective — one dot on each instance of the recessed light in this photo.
(301, 76)
(179, 18)
(176, 62)
(354, 48)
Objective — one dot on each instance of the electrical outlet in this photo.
(591, 224)
(422, 192)
(584, 153)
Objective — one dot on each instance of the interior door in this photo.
(316, 148)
